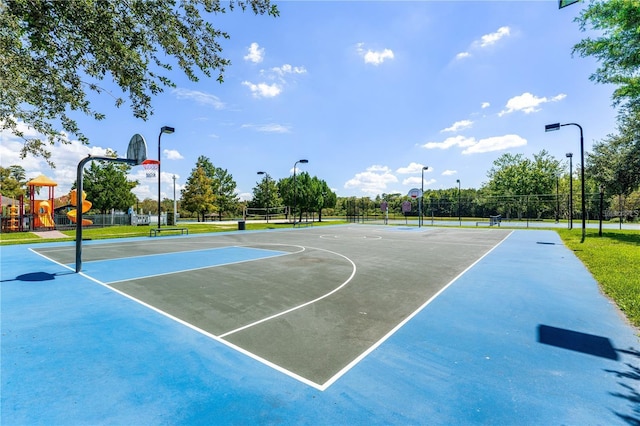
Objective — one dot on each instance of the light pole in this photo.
(570, 157)
(601, 204)
(266, 179)
(421, 197)
(175, 206)
(556, 126)
(557, 199)
(167, 130)
(459, 214)
(295, 188)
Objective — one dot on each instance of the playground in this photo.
(347, 324)
(38, 214)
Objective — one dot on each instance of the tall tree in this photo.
(222, 185)
(107, 187)
(265, 193)
(615, 161)
(516, 178)
(12, 180)
(616, 47)
(197, 195)
(54, 53)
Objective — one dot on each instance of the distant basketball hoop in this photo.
(151, 167)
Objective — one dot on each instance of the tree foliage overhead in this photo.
(54, 53)
(617, 48)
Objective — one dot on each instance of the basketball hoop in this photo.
(151, 167)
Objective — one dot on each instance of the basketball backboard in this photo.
(137, 149)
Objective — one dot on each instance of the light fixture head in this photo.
(303, 161)
(569, 154)
(167, 129)
(552, 127)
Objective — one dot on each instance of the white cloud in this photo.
(415, 181)
(485, 41)
(374, 57)
(496, 143)
(528, 103)
(411, 168)
(492, 38)
(485, 105)
(372, 181)
(268, 128)
(288, 69)
(460, 141)
(449, 172)
(263, 90)
(199, 97)
(255, 53)
(172, 154)
(474, 146)
(458, 125)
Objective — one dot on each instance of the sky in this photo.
(369, 93)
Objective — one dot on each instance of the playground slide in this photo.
(43, 214)
(45, 220)
(86, 206)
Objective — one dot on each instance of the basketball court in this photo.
(325, 325)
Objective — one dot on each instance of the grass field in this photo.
(613, 259)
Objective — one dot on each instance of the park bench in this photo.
(155, 231)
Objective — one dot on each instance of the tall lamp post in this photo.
(556, 126)
(459, 213)
(266, 179)
(167, 130)
(295, 188)
(175, 205)
(421, 197)
(570, 157)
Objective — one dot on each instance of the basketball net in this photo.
(151, 168)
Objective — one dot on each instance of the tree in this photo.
(197, 195)
(517, 178)
(320, 196)
(265, 193)
(12, 182)
(617, 47)
(54, 53)
(222, 185)
(107, 187)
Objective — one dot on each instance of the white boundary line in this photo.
(353, 363)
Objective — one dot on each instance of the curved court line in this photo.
(295, 308)
(373, 347)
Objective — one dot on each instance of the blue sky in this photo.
(369, 93)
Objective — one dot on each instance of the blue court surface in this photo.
(520, 336)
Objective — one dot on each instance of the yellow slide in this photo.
(86, 206)
(44, 215)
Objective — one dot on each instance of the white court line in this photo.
(295, 308)
(353, 363)
(206, 266)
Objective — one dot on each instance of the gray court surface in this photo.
(352, 324)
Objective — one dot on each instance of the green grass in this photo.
(614, 261)
(143, 231)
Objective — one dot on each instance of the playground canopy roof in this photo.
(41, 180)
